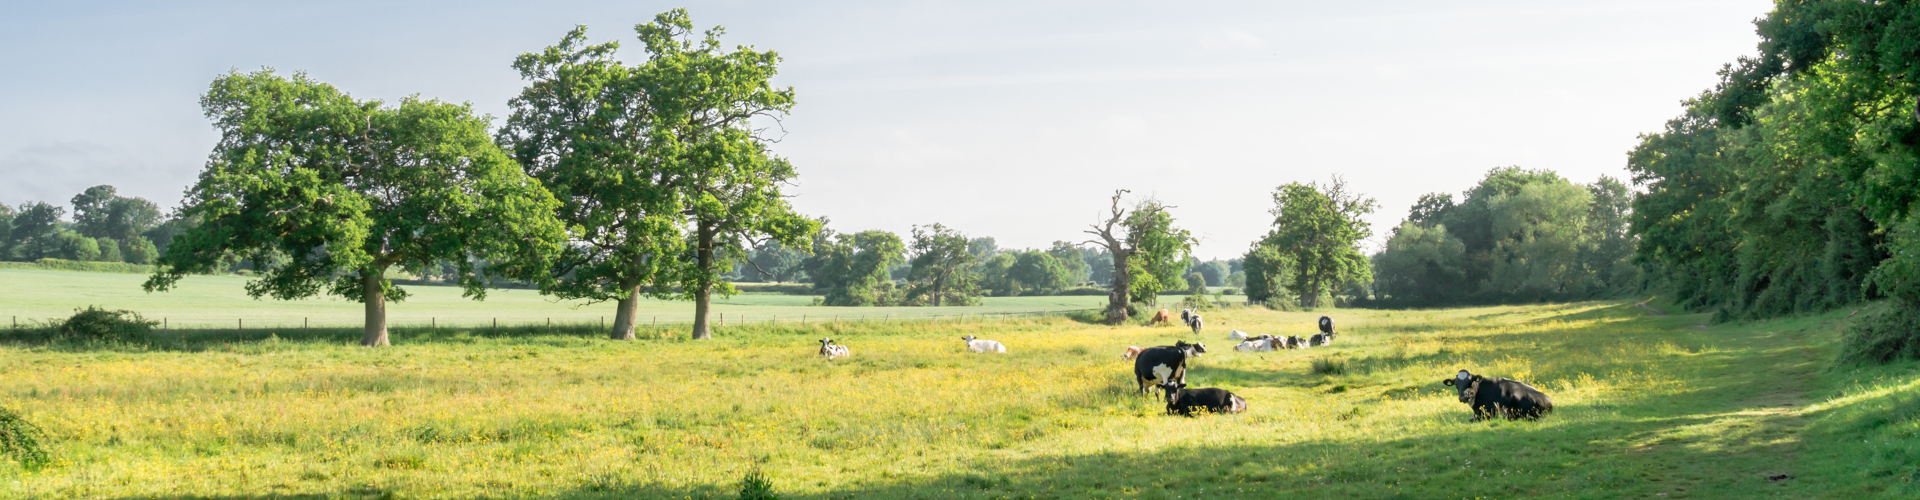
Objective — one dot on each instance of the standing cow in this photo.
(1499, 396)
(1326, 324)
(1159, 364)
(1195, 322)
(1161, 318)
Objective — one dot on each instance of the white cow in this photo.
(1236, 335)
(1261, 344)
(830, 350)
(980, 345)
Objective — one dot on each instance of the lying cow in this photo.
(1131, 352)
(1164, 363)
(1236, 335)
(1262, 343)
(1321, 339)
(1183, 400)
(1499, 396)
(1161, 318)
(830, 350)
(978, 345)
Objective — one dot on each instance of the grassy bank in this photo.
(1647, 407)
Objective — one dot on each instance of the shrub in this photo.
(1329, 366)
(21, 440)
(94, 324)
(756, 486)
(1884, 335)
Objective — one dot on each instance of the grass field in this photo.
(222, 302)
(1647, 407)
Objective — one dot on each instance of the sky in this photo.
(1015, 120)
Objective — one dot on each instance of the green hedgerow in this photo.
(96, 324)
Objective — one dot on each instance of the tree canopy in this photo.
(325, 192)
(943, 269)
(1318, 230)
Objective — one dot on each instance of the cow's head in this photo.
(968, 338)
(1194, 349)
(824, 342)
(1172, 389)
(1466, 383)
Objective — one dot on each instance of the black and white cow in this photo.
(830, 350)
(1499, 396)
(1321, 339)
(1326, 324)
(1186, 316)
(1164, 363)
(1183, 400)
(1195, 322)
(1294, 342)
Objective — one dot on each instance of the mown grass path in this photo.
(1647, 407)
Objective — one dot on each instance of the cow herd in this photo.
(1165, 368)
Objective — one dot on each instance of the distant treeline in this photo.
(877, 268)
(1518, 236)
(105, 227)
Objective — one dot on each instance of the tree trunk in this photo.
(936, 292)
(627, 309)
(703, 284)
(1118, 298)
(376, 299)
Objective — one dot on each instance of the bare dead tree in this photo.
(1118, 245)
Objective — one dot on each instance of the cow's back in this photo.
(1151, 357)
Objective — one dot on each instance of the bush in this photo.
(1329, 366)
(756, 486)
(21, 440)
(1890, 333)
(96, 324)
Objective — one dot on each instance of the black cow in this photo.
(1326, 324)
(1497, 396)
(1183, 400)
(1164, 363)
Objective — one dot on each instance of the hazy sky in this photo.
(1015, 120)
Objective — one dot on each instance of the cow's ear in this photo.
(1447, 381)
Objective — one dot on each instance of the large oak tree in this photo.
(583, 126)
(324, 192)
(702, 101)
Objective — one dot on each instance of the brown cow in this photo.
(1162, 317)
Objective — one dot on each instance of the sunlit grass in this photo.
(1645, 407)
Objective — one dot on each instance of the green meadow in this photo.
(1647, 406)
(222, 302)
